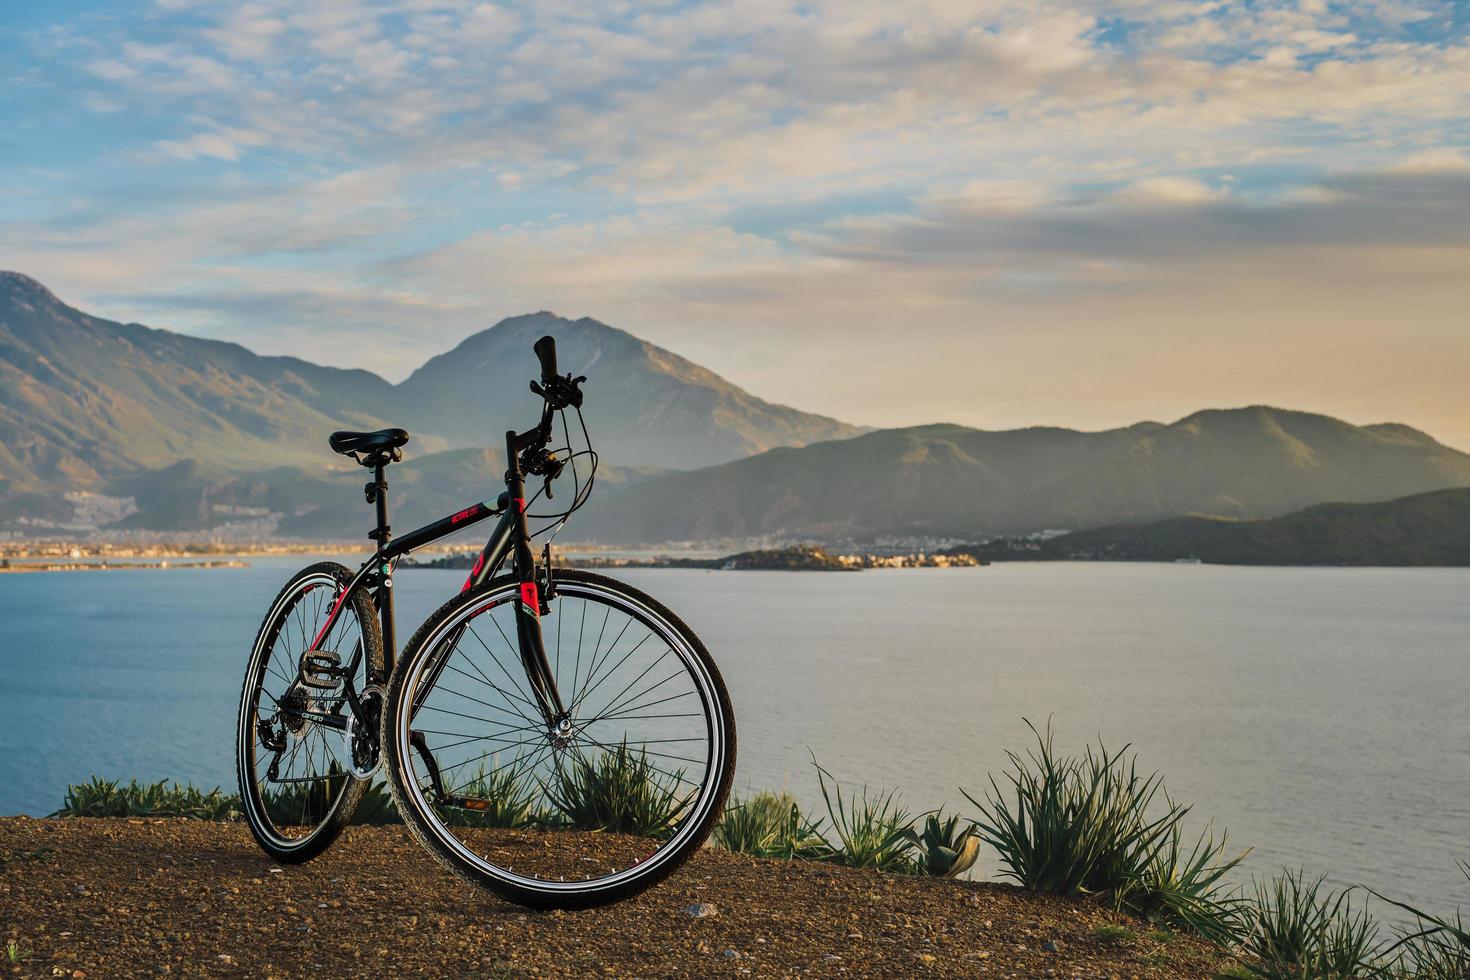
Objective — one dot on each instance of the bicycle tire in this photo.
(432, 831)
(324, 831)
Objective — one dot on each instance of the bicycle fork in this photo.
(529, 606)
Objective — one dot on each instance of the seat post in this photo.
(380, 483)
(383, 595)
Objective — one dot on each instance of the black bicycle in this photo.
(552, 734)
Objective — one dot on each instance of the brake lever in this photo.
(561, 392)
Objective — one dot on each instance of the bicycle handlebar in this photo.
(545, 349)
(556, 391)
(527, 450)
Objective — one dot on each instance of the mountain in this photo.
(947, 480)
(87, 404)
(1423, 529)
(85, 400)
(646, 405)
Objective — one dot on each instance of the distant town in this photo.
(799, 558)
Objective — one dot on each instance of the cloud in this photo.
(1440, 159)
(214, 145)
(822, 169)
(249, 32)
(1169, 190)
(1161, 226)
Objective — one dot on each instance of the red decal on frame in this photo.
(531, 599)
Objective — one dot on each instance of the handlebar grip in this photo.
(545, 349)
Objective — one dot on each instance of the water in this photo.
(1318, 714)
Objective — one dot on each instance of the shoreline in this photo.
(10, 567)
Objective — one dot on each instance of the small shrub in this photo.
(945, 851)
(1435, 956)
(618, 792)
(1073, 827)
(1095, 825)
(871, 831)
(1186, 890)
(108, 798)
(770, 826)
(1436, 948)
(1299, 931)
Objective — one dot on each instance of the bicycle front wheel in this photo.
(582, 814)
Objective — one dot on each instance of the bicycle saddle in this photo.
(382, 441)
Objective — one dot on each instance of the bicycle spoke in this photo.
(597, 646)
(641, 675)
(434, 731)
(461, 694)
(486, 755)
(650, 704)
(525, 698)
(482, 679)
(592, 687)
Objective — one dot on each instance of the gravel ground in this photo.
(102, 898)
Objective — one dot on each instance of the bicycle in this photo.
(558, 772)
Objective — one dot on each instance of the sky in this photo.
(998, 213)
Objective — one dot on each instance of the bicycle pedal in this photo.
(321, 670)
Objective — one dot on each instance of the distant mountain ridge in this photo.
(1423, 529)
(87, 402)
(202, 433)
(948, 480)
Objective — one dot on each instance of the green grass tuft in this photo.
(1095, 826)
(107, 798)
(770, 826)
(1436, 948)
(1112, 934)
(1298, 930)
(619, 792)
(871, 831)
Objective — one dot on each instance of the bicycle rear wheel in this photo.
(569, 817)
(301, 758)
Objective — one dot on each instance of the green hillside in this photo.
(1248, 463)
(1424, 529)
(194, 496)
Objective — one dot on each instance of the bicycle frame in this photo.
(510, 537)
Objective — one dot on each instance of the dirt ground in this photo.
(103, 898)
